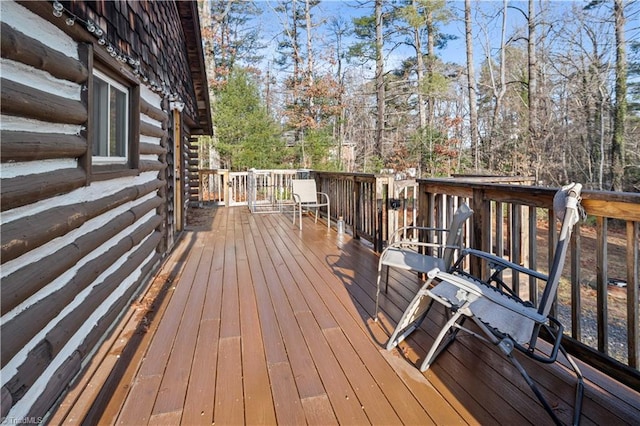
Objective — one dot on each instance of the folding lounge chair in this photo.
(503, 318)
(405, 253)
(306, 196)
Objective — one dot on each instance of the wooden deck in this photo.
(252, 321)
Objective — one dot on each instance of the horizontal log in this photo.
(30, 146)
(22, 48)
(56, 385)
(154, 112)
(23, 235)
(28, 372)
(150, 149)
(24, 101)
(106, 172)
(150, 165)
(60, 335)
(103, 326)
(23, 190)
(22, 328)
(24, 282)
(148, 129)
(117, 309)
(6, 402)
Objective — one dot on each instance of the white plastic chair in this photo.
(305, 195)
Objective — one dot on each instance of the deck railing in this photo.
(598, 297)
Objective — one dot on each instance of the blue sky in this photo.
(455, 50)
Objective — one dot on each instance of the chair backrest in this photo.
(455, 233)
(565, 207)
(305, 190)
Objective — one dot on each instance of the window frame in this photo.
(100, 167)
(109, 159)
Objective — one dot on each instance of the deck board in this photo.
(267, 324)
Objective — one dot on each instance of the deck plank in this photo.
(267, 324)
(280, 285)
(229, 405)
(173, 388)
(286, 400)
(259, 410)
(200, 395)
(351, 322)
(138, 410)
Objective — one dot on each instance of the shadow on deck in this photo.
(251, 321)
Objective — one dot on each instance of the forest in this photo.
(427, 88)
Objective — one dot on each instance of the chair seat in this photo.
(494, 308)
(411, 260)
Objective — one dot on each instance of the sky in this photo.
(455, 50)
(485, 11)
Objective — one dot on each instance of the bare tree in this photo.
(471, 79)
(617, 145)
(497, 87)
(533, 84)
(380, 89)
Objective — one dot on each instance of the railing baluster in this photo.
(633, 282)
(533, 251)
(601, 284)
(576, 297)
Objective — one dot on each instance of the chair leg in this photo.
(399, 335)
(577, 404)
(437, 348)
(378, 291)
(577, 407)
(534, 388)
(386, 281)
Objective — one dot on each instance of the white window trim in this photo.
(100, 160)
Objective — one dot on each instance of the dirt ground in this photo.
(617, 296)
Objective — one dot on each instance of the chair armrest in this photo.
(503, 262)
(326, 196)
(400, 231)
(402, 244)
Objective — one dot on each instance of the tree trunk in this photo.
(380, 92)
(499, 89)
(617, 145)
(420, 73)
(431, 57)
(471, 78)
(533, 89)
(307, 11)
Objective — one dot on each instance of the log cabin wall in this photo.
(81, 234)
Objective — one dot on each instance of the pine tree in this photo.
(247, 136)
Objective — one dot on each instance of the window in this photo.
(110, 120)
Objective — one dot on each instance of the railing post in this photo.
(356, 208)
(384, 185)
(480, 229)
(226, 183)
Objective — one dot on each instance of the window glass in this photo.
(110, 120)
